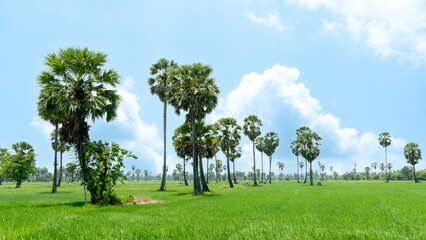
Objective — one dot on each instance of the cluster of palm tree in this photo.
(306, 144)
(190, 89)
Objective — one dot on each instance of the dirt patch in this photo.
(319, 184)
(143, 200)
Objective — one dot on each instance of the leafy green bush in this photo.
(104, 169)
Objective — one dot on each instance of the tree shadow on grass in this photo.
(49, 192)
(62, 204)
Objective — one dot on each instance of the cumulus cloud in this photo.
(281, 84)
(390, 28)
(272, 20)
(145, 137)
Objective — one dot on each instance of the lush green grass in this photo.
(287, 210)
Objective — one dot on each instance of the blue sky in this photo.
(348, 69)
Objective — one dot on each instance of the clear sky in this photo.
(348, 69)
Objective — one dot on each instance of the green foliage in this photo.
(252, 126)
(310, 143)
(412, 153)
(385, 139)
(229, 135)
(19, 166)
(193, 90)
(160, 81)
(271, 142)
(104, 169)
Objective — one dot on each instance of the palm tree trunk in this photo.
(184, 172)
(197, 185)
(18, 184)
(55, 164)
(386, 165)
(270, 165)
(414, 173)
(203, 180)
(254, 165)
(310, 174)
(306, 171)
(216, 167)
(261, 156)
(60, 171)
(163, 180)
(297, 157)
(207, 170)
(228, 169)
(233, 166)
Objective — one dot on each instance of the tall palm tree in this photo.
(296, 146)
(229, 139)
(413, 154)
(160, 82)
(234, 154)
(374, 165)
(281, 167)
(60, 146)
(260, 148)
(251, 128)
(385, 140)
(310, 150)
(299, 133)
(86, 93)
(182, 142)
(194, 91)
(301, 165)
(271, 143)
(49, 110)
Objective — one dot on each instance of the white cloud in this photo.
(272, 20)
(390, 28)
(282, 85)
(46, 127)
(145, 137)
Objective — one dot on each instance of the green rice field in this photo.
(281, 210)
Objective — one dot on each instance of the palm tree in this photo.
(301, 165)
(133, 168)
(205, 144)
(382, 167)
(413, 154)
(299, 133)
(385, 140)
(331, 172)
(49, 110)
(251, 128)
(281, 167)
(374, 165)
(229, 139)
(259, 147)
(271, 143)
(310, 150)
(62, 147)
(160, 82)
(138, 172)
(295, 148)
(389, 167)
(367, 171)
(194, 91)
(234, 154)
(85, 91)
